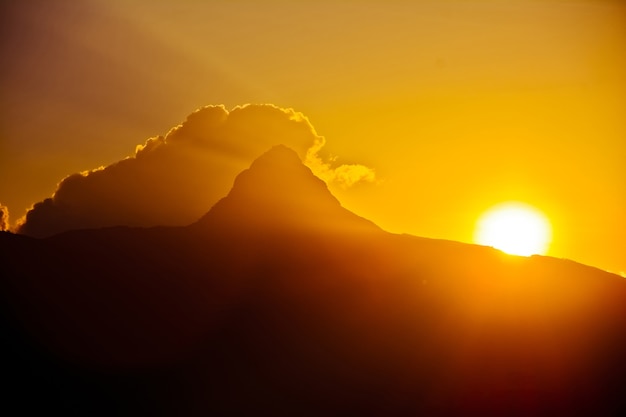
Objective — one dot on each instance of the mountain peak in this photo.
(276, 156)
(278, 191)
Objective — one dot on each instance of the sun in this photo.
(515, 228)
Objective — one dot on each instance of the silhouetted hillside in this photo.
(281, 302)
(279, 192)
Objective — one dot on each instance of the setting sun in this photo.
(514, 228)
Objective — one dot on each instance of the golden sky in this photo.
(457, 105)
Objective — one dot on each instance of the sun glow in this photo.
(514, 228)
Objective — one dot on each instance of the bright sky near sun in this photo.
(457, 105)
(515, 228)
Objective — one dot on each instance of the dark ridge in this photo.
(280, 302)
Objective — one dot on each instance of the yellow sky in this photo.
(458, 105)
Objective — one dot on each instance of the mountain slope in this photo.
(281, 302)
(279, 192)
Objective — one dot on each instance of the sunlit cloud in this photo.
(344, 175)
(4, 218)
(176, 178)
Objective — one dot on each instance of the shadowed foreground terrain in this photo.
(281, 302)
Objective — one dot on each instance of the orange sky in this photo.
(457, 105)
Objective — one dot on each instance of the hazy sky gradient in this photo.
(457, 105)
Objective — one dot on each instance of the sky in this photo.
(456, 106)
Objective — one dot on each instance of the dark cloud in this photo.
(4, 218)
(173, 180)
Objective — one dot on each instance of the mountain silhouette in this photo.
(280, 302)
(279, 192)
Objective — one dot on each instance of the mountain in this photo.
(280, 193)
(281, 302)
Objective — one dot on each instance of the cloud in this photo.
(345, 175)
(4, 217)
(176, 178)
